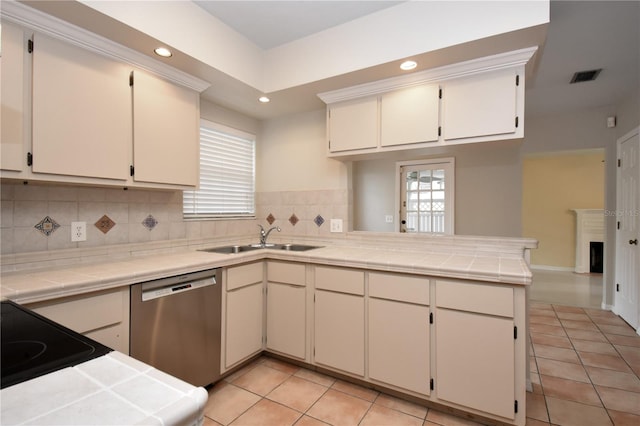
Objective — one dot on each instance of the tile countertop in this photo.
(112, 389)
(486, 263)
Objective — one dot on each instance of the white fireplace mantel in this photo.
(589, 227)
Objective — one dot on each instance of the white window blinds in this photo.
(227, 174)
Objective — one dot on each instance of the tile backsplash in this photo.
(115, 216)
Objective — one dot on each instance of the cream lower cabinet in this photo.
(399, 331)
(339, 320)
(243, 313)
(286, 308)
(476, 346)
(102, 316)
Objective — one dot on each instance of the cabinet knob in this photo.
(635, 242)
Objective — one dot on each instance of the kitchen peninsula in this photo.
(456, 300)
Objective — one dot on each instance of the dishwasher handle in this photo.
(177, 288)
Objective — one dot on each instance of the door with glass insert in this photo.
(424, 204)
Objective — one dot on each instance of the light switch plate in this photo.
(336, 225)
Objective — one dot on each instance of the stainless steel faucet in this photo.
(265, 234)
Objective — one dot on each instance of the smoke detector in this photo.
(582, 76)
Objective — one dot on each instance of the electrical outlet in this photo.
(78, 231)
(336, 225)
(388, 218)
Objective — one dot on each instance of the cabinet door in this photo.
(409, 116)
(81, 112)
(166, 142)
(12, 88)
(353, 125)
(399, 344)
(243, 334)
(286, 319)
(339, 331)
(475, 361)
(481, 105)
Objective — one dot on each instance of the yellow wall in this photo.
(552, 185)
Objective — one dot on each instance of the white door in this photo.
(426, 195)
(628, 219)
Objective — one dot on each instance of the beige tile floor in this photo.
(585, 367)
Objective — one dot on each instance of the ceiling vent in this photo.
(582, 76)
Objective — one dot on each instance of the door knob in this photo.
(633, 241)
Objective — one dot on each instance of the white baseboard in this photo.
(607, 307)
(552, 268)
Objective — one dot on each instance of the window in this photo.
(426, 195)
(227, 174)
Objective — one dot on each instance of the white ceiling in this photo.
(581, 35)
(270, 24)
(585, 35)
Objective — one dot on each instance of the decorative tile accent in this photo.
(271, 219)
(105, 224)
(293, 219)
(319, 220)
(47, 226)
(149, 222)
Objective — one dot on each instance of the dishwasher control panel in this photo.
(154, 292)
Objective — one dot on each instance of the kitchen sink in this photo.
(234, 249)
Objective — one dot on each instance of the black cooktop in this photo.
(32, 345)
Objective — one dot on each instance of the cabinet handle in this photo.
(635, 242)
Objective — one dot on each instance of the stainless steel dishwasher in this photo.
(175, 325)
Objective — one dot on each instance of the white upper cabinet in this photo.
(165, 131)
(81, 112)
(481, 105)
(12, 83)
(475, 101)
(409, 116)
(70, 112)
(353, 125)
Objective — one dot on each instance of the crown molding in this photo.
(36, 20)
(500, 61)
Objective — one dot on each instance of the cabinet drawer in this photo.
(340, 280)
(481, 298)
(86, 313)
(403, 288)
(287, 273)
(240, 276)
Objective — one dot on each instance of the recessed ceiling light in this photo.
(264, 99)
(408, 65)
(163, 51)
